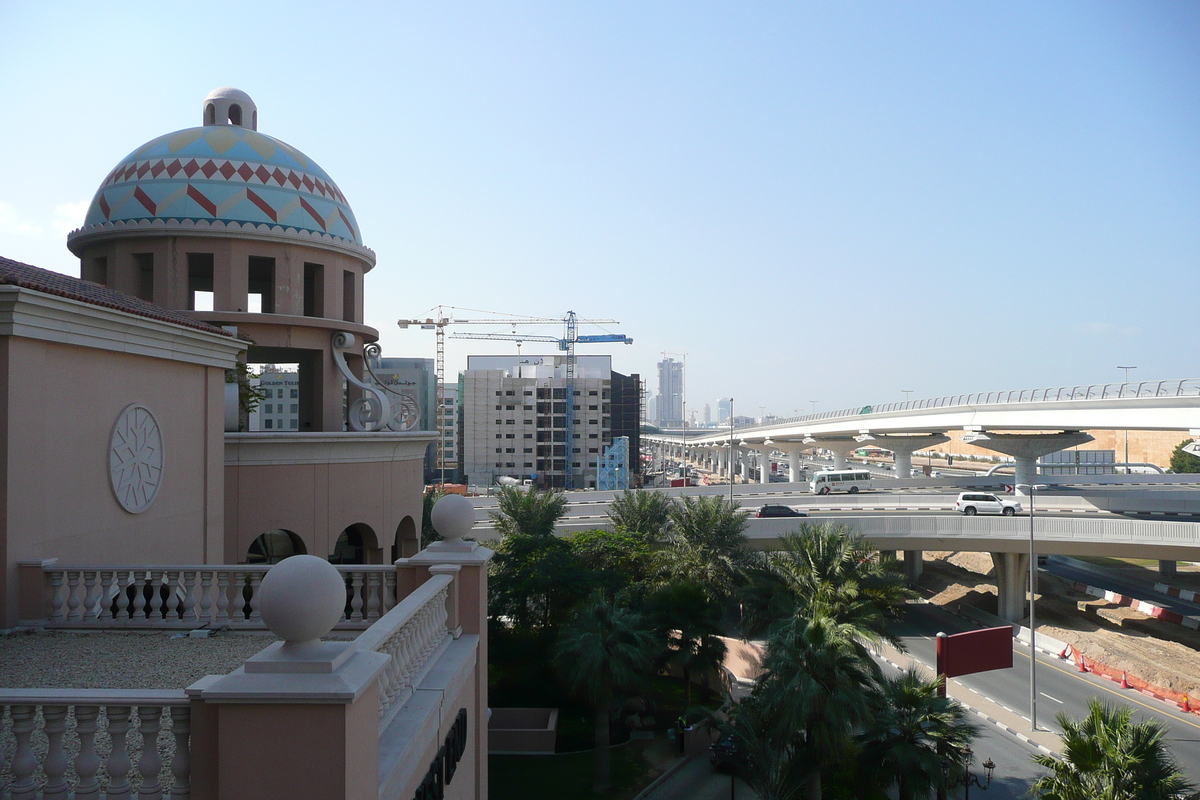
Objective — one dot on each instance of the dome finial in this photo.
(229, 106)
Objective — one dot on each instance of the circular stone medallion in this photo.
(135, 458)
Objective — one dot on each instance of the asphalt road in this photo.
(1061, 687)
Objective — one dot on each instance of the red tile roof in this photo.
(26, 276)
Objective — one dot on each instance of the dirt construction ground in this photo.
(1161, 653)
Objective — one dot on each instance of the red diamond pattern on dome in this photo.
(143, 169)
(308, 183)
(279, 176)
(227, 170)
(174, 167)
(208, 168)
(293, 179)
(262, 173)
(191, 168)
(104, 206)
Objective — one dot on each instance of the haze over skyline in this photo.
(815, 202)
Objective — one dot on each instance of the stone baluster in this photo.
(206, 603)
(118, 759)
(87, 763)
(139, 595)
(389, 591)
(151, 762)
(55, 762)
(24, 763)
(190, 606)
(222, 597)
(255, 582)
(122, 596)
(171, 607)
(181, 762)
(371, 594)
(57, 601)
(92, 595)
(73, 577)
(156, 600)
(356, 596)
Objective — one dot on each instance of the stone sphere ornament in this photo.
(302, 598)
(453, 516)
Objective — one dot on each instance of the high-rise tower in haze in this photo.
(670, 392)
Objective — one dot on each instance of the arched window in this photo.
(254, 120)
(356, 545)
(235, 114)
(274, 546)
(406, 543)
(210, 114)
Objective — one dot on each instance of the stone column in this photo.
(1012, 576)
(914, 565)
(903, 447)
(841, 447)
(1027, 448)
(764, 463)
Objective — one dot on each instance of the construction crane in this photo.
(566, 343)
(444, 319)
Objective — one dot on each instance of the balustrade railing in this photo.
(192, 596)
(1101, 391)
(411, 633)
(93, 743)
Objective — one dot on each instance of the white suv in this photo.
(972, 503)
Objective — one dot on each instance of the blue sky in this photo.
(829, 202)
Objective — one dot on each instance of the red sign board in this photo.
(975, 651)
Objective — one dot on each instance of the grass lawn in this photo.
(522, 777)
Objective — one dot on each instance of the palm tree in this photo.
(706, 544)
(429, 533)
(690, 620)
(641, 511)
(827, 570)
(604, 649)
(1106, 756)
(763, 733)
(529, 512)
(911, 730)
(821, 673)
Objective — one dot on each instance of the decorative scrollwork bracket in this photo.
(371, 412)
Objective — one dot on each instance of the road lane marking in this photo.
(1125, 697)
(1048, 697)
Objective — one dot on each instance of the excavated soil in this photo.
(1161, 653)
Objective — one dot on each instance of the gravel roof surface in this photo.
(120, 660)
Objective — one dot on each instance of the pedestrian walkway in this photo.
(694, 779)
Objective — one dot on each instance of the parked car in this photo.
(725, 756)
(972, 503)
(779, 511)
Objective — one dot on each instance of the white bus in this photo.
(840, 480)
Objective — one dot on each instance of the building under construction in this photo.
(513, 415)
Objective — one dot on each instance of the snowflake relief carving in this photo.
(135, 458)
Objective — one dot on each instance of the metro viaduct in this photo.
(1025, 425)
(1005, 538)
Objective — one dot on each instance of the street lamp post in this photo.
(1033, 488)
(731, 451)
(907, 394)
(1127, 429)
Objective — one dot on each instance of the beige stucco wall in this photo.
(58, 403)
(1153, 447)
(317, 485)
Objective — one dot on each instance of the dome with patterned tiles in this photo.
(223, 176)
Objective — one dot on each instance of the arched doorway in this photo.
(406, 543)
(274, 546)
(356, 545)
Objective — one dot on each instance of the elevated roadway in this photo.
(1022, 424)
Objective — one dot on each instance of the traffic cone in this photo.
(1066, 652)
(1124, 680)
(1187, 707)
